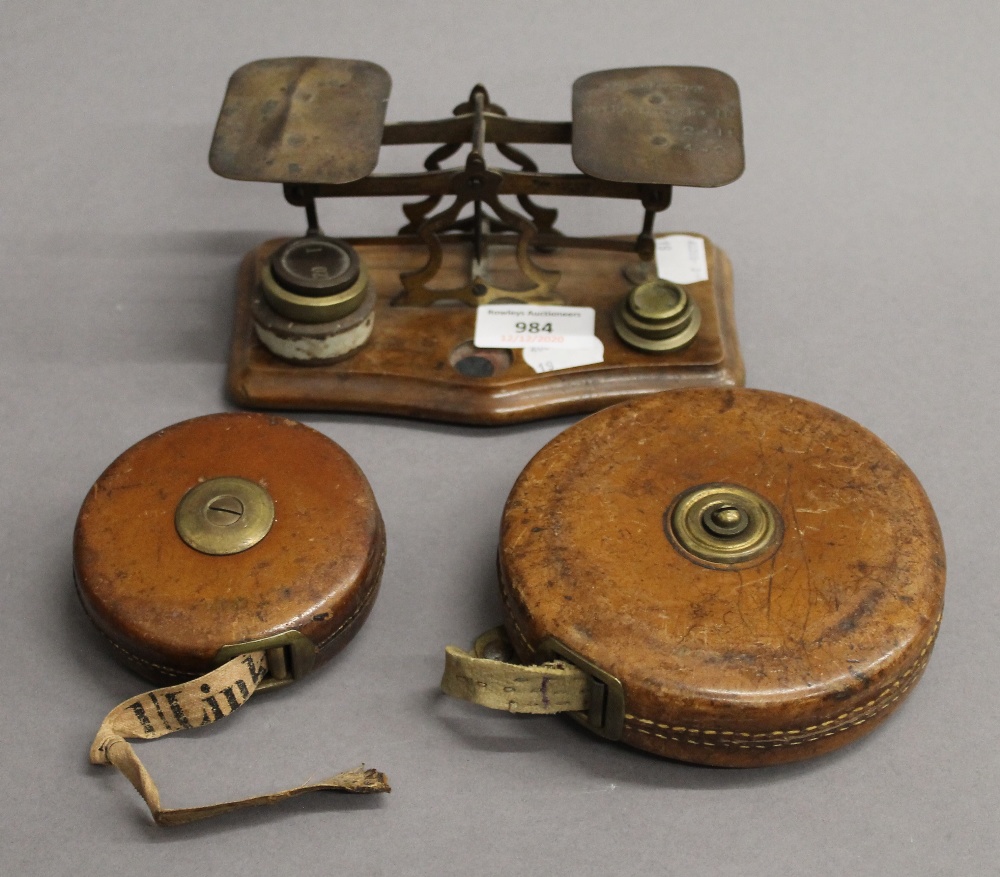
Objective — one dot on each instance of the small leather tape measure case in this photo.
(243, 540)
(729, 577)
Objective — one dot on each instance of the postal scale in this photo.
(387, 324)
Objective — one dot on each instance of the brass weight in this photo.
(657, 316)
(313, 302)
(314, 280)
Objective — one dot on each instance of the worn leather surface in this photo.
(166, 608)
(796, 656)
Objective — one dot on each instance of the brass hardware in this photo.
(290, 656)
(479, 185)
(276, 110)
(479, 228)
(317, 125)
(724, 526)
(606, 714)
(657, 316)
(314, 279)
(494, 645)
(316, 265)
(665, 125)
(224, 515)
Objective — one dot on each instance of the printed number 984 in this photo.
(533, 327)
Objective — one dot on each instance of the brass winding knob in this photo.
(724, 525)
(224, 515)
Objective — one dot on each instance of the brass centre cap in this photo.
(224, 515)
(724, 525)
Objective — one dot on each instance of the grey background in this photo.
(863, 237)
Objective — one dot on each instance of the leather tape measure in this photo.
(219, 556)
(723, 576)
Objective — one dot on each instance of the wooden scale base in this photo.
(411, 366)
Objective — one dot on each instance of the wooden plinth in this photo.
(407, 366)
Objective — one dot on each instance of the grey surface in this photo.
(863, 236)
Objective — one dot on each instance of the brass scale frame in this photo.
(625, 138)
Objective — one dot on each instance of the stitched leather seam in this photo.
(365, 603)
(733, 743)
(177, 674)
(180, 675)
(508, 599)
(166, 671)
(766, 740)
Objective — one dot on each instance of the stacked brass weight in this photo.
(313, 303)
(657, 316)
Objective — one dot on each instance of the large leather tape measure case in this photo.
(748, 577)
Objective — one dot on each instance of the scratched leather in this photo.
(795, 656)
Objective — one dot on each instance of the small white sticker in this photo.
(680, 258)
(548, 359)
(546, 326)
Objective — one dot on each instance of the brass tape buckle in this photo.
(290, 656)
(606, 714)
